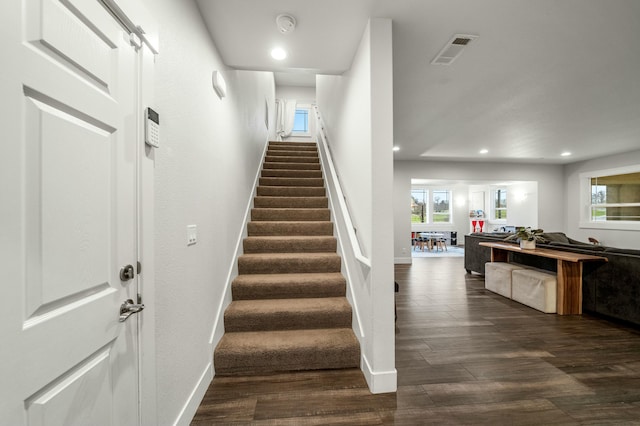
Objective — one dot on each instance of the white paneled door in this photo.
(68, 185)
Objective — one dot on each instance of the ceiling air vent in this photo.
(453, 49)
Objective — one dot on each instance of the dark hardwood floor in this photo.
(464, 356)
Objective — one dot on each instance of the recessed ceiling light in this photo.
(278, 53)
(566, 154)
(484, 151)
(396, 148)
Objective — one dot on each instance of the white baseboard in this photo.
(379, 381)
(402, 260)
(193, 402)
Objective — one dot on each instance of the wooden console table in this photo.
(569, 276)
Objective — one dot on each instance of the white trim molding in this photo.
(195, 398)
(379, 381)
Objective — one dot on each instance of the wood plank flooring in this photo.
(464, 356)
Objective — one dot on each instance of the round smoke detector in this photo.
(286, 23)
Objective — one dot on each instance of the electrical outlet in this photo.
(192, 235)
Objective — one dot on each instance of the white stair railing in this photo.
(337, 197)
(355, 265)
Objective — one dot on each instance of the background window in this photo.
(441, 203)
(615, 198)
(301, 121)
(500, 204)
(419, 199)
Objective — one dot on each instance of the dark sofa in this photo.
(608, 288)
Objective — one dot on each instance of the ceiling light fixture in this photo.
(484, 151)
(565, 154)
(278, 54)
(285, 23)
(396, 148)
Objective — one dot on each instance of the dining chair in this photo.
(441, 244)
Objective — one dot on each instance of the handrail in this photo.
(333, 177)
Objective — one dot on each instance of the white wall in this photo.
(522, 204)
(609, 237)
(550, 185)
(301, 94)
(204, 174)
(358, 114)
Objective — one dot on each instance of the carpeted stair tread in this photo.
(290, 202)
(289, 214)
(263, 228)
(290, 191)
(291, 181)
(280, 263)
(290, 159)
(291, 153)
(291, 173)
(289, 309)
(289, 144)
(290, 244)
(287, 314)
(292, 148)
(291, 166)
(290, 350)
(288, 286)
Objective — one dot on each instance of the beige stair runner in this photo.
(289, 311)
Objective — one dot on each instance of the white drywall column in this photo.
(383, 327)
(357, 108)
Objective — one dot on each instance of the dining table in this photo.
(430, 237)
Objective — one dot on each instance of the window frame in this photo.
(493, 208)
(586, 203)
(432, 211)
(429, 207)
(306, 134)
(427, 193)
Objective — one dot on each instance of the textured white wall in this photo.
(299, 93)
(358, 114)
(609, 237)
(345, 105)
(550, 187)
(522, 205)
(204, 173)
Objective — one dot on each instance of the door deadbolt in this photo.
(127, 273)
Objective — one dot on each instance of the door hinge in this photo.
(135, 40)
(138, 268)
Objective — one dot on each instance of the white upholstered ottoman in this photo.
(535, 288)
(497, 277)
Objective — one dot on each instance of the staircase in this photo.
(289, 311)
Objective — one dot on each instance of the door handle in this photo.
(128, 308)
(127, 273)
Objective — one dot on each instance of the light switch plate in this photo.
(192, 235)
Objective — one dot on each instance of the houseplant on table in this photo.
(527, 237)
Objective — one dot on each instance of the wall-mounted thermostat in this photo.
(152, 128)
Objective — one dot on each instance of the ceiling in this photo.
(543, 77)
